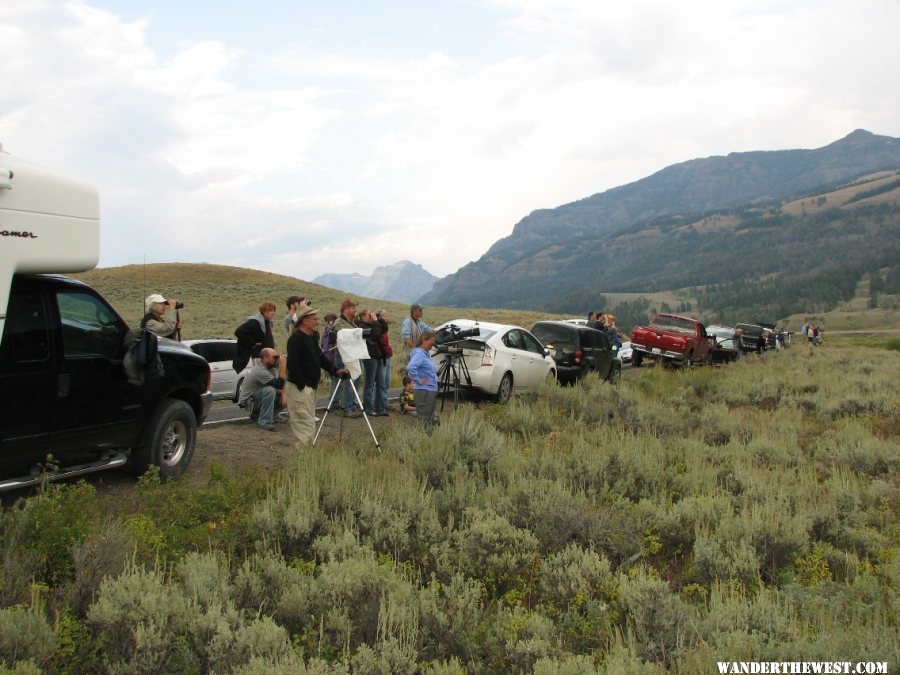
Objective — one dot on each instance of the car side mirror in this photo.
(546, 352)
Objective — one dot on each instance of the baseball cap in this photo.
(155, 297)
(416, 307)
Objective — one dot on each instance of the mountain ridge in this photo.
(519, 269)
(404, 281)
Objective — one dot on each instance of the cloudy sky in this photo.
(311, 136)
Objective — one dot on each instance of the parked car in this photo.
(624, 353)
(75, 381)
(753, 337)
(724, 351)
(64, 389)
(721, 332)
(501, 359)
(219, 353)
(578, 350)
(671, 339)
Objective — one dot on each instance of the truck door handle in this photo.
(62, 385)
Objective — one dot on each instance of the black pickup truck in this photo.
(64, 391)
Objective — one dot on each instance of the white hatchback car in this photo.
(500, 359)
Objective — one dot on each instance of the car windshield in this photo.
(674, 323)
(551, 334)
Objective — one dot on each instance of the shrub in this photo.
(25, 635)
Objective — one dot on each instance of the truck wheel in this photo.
(637, 358)
(615, 373)
(504, 391)
(168, 440)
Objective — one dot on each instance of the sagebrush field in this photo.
(741, 513)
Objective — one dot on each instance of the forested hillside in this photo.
(766, 234)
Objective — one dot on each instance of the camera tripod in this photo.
(341, 382)
(449, 373)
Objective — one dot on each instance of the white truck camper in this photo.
(48, 224)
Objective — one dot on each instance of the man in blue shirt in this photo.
(413, 327)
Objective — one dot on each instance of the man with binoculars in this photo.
(162, 316)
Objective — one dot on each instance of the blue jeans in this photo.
(346, 399)
(387, 384)
(372, 400)
(264, 404)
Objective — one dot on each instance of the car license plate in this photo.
(656, 350)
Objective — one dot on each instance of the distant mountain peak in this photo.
(403, 281)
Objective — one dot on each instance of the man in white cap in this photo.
(161, 317)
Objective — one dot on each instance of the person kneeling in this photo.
(264, 386)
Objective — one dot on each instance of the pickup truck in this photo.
(671, 339)
(65, 390)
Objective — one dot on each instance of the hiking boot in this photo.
(266, 427)
(356, 414)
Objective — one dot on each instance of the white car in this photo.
(624, 353)
(219, 353)
(500, 359)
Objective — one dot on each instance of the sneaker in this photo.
(353, 415)
(267, 427)
(383, 414)
(317, 419)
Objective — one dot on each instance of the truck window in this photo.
(26, 336)
(89, 326)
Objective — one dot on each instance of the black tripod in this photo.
(349, 383)
(450, 372)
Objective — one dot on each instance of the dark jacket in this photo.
(252, 337)
(385, 339)
(373, 340)
(305, 360)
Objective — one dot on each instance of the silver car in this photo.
(219, 353)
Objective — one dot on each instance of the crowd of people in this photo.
(353, 347)
(605, 323)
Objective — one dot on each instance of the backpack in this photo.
(328, 343)
(147, 355)
(142, 362)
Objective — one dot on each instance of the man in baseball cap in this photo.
(413, 326)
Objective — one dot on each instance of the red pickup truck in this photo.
(671, 339)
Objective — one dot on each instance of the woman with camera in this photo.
(373, 397)
(161, 317)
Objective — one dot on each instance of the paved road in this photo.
(226, 411)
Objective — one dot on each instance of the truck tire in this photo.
(168, 440)
(615, 372)
(504, 391)
(637, 358)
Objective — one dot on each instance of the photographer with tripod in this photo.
(162, 316)
(422, 371)
(305, 363)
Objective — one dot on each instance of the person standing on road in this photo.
(293, 304)
(161, 317)
(422, 371)
(413, 326)
(346, 321)
(305, 363)
(383, 321)
(254, 335)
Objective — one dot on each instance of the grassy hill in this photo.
(743, 513)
